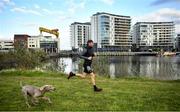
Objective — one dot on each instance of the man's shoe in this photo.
(96, 89)
(71, 74)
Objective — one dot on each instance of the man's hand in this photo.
(90, 58)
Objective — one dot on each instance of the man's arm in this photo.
(86, 58)
(82, 55)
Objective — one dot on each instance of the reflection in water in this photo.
(112, 70)
(163, 68)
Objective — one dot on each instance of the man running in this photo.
(87, 55)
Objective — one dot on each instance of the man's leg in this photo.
(93, 80)
(83, 75)
(92, 75)
(71, 74)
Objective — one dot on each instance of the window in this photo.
(143, 25)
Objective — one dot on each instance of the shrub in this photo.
(21, 58)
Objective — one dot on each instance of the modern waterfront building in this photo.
(80, 34)
(111, 32)
(178, 42)
(154, 35)
(6, 45)
(46, 43)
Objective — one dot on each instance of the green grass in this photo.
(76, 94)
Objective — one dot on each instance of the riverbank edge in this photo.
(36, 73)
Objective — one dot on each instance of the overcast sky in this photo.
(25, 16)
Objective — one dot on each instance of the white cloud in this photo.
(26, 11)
(30, 24)
(164, 14)
(52, 12)
(74, 5)
(5, 3)
(36, 6)
(47, 11)
(169, 12)
(109, 2)
(159, 2)
(37, 10)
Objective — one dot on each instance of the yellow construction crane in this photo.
(53, 31)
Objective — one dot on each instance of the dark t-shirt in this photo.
(88, 52)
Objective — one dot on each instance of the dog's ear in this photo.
(42, 88)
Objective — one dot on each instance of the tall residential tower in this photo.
(178, 42)
(80, 34)
(111, 32)
(154, 35)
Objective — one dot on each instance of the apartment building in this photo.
(80, 34)
(178, 42)
(154, 35)
(111, 32)
(6, 45)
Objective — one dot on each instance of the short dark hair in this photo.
(89, 41)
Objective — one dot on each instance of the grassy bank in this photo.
(76, 94)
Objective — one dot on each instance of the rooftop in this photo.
(171, 22)
(6, 41)
(86, 23)
(21, 35)
(100, 13)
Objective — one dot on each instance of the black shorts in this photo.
(88, 69)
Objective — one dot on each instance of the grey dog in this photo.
(36, 93)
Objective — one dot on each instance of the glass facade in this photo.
(111, 31)
(49, 46)
(105, 30)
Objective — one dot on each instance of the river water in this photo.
(161, 68)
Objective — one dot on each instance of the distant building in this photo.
(33, 42)
(6, 45)
(80, 34)
(154, 35)
(178, 42)
(46, 43)
(21, 40)
(111, 32)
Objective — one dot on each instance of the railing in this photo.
(126, 53)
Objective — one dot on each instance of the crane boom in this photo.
(53, 31)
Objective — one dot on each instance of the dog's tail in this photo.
(21, 83)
